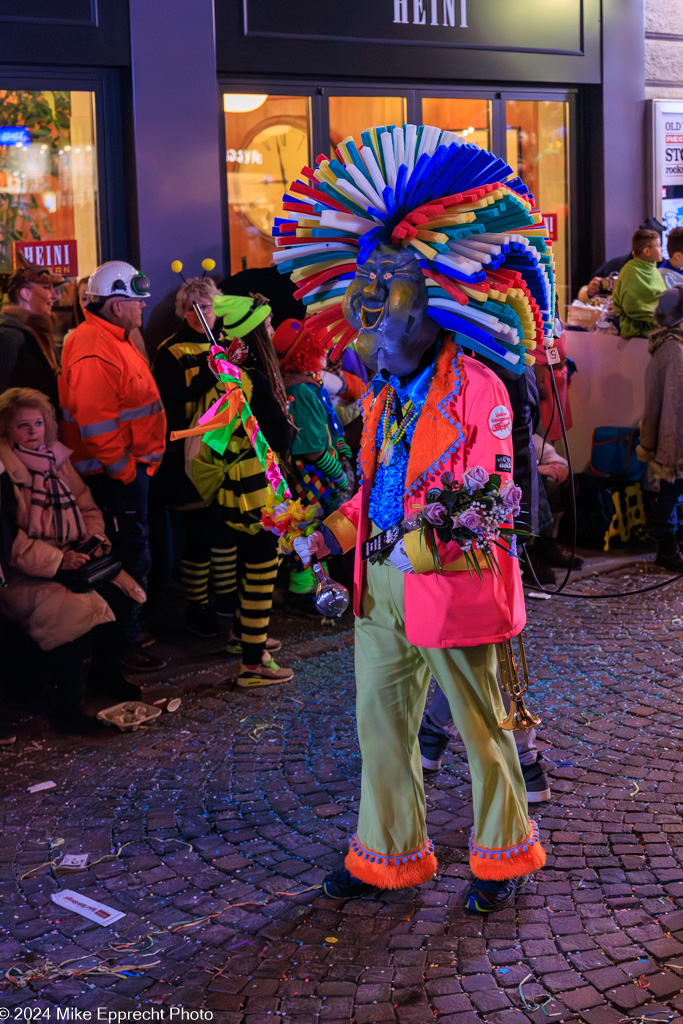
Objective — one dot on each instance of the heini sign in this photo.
(433, 12)
(59, 256)
(522, 26)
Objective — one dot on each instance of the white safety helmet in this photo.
(117, 279)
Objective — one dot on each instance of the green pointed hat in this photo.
(240, 313)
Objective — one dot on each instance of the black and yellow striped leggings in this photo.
(256, 562)
(208, 558)
(241, 569)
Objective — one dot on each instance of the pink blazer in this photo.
(466, 421)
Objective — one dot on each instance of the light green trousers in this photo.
(392, 678)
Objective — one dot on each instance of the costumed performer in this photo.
(425, 244)
(320, 465)
(237, 482)
(181, 370)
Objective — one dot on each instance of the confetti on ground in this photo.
(215, 844)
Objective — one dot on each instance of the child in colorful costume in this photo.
(318, 475)
(416, 241)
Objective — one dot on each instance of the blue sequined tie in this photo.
(386, 497)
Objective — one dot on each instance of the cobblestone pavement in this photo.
(229, 812)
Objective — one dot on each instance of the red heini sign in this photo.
(551, 224)
(60, 256)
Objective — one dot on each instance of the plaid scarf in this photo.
(53, 512)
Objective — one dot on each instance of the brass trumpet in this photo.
(519, 716)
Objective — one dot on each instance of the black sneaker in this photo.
(536, 782)
(200, 620)
(341, 885)
(486, 897)
(432, 742)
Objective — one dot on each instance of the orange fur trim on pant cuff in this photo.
(398, 871)
(512, 862)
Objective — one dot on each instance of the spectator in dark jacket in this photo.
(661, 429)
(182, 373)
(27, 352)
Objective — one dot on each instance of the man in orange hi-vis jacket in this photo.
(113, 416)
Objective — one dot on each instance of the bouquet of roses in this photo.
(477, 515)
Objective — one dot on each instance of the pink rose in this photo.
(469, 519)
(475, 478)
(511, 495)
(447, 479)
(435, 514)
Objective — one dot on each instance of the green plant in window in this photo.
(47, 115)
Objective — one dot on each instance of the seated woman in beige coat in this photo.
(48, 513)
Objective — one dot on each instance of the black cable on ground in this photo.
(558, 406)
(624, 593)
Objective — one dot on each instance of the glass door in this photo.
(268, 141)
(353, 114)
(271, 131)
(469, 117)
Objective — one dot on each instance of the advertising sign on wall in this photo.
(525, 25)
(669, 142)
(59, 255)
(551, 224)
(666, 164)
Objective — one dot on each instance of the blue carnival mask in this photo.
(387, 304)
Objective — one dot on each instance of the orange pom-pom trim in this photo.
(512, 862)
(396, 871)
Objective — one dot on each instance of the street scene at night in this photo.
(341, 511)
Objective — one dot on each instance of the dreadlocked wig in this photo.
(472, 225)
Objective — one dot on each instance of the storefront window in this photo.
(537, 150)
(48, 180)
(267, 143)
(470, 118)
(351, 115)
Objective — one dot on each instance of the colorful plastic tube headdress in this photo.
(472, 225)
